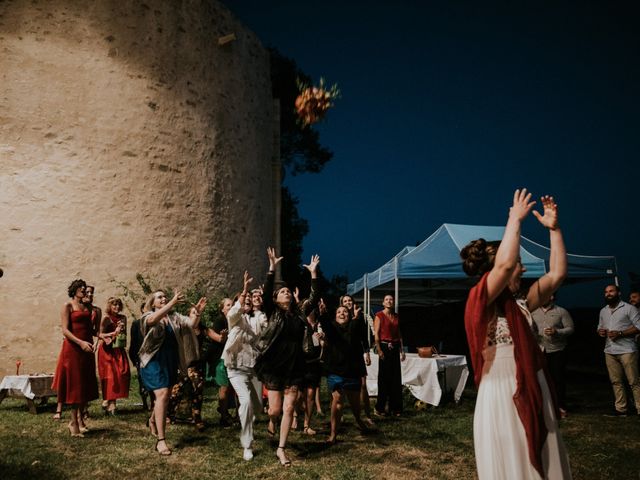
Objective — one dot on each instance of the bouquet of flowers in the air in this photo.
(313, 102)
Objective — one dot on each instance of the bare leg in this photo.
(275, 409)
(298, 406)
(310, 395)
(336, 415)
(223, 405)
(74, 425)
(318, 403)
(290, 397)
(58, 414)
(159, 417)
(364, 398)
(81, 417)
(354, 401)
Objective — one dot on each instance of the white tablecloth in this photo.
(420, 376)
(28, 386)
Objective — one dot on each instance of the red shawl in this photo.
(528, 357)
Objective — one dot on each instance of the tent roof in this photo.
(438, 258)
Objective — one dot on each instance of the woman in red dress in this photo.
(113, 363)
(75, 378)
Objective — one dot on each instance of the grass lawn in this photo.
(432, 444)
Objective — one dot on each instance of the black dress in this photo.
(344, 352)
(281, 363)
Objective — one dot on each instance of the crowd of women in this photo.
(267, 347)
(271, 338)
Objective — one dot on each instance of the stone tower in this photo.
(135, 137)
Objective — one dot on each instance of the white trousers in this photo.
(249, 391)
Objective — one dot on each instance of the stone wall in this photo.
(130, 142)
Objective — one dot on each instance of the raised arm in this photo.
(235, 314)
(156, 316)
(507, 256)
(267, 296)
(196, 312)
(314, 295)
(541, 291)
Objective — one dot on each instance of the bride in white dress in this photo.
(515, 426)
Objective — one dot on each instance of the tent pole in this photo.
(367, 308)
(397, 284)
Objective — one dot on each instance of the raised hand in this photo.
(322, 307)
(313, 264)
(273, 259)
(246, 281)
(356, 310)
(200, 305)
(296, 294)
(522, 204)
(549, 218)
(178, 297)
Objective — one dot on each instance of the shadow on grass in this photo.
(16, 471)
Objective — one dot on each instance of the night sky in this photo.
(449, 106)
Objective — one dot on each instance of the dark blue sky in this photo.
(448, 106)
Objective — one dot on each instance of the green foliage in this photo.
(133, 298)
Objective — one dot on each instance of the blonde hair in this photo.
(148, 304)
(113, 301)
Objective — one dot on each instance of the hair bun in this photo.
(478, 257)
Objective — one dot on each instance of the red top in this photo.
(389, 327)
(528, 357)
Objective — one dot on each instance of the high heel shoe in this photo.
(282, 457)
(165, 451)
(75, 434)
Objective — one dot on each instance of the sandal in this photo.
(164, 452)
(271, 433)
(57, 416)
(283, 459)
(307, 430)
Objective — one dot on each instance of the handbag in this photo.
(427, 352)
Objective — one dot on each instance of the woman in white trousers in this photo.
(239, 357)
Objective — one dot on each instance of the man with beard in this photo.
(619, 323)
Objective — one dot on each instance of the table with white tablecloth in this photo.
(420, 376)
(30, 387)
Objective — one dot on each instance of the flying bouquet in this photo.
(313, 103)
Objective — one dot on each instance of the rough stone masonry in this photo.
(130, 142)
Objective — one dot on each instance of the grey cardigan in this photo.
(188, 351)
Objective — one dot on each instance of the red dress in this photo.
(75, 377)
(113, 367)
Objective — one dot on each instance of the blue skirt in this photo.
(162, 369)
